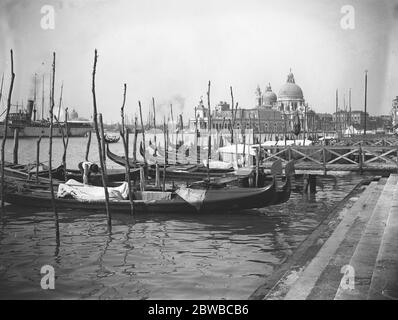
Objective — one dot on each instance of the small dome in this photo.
(269, 96)
(290, 90)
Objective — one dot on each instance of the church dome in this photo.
(269, 96)
(290, 90)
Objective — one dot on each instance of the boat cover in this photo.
(194, 197)
(88, 193)
(214, 164)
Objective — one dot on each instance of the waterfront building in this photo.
(273, 114)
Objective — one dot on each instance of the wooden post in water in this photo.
(143, 132)
(157, 175)
(142, 179)
(60, 101)
(135, 142)
(324, 159)
(16, 144)
(103, 144)
(154, 125)
(1, 88)
(97, 132)
(165, 153)
(167, 144)
(3, 144)
(65, 141)
(257, 167)
(197, 135)
(127, 167)
(209, 138)
(259, 136)
(88, 145)
(50, 154)
(37, 158)
(244, 145)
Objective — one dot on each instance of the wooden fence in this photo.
(334, 158)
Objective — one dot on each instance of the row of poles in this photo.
(99, 131)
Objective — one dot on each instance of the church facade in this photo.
(273, 114)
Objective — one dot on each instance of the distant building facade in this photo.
(272, 113)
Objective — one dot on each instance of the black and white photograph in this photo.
(217, 151)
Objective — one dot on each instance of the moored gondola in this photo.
(178, 172)
(182, 200)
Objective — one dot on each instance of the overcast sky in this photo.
(169, 49)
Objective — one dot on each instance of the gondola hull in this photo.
(215, 201)
(176, 172)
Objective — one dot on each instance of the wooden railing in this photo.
(344, 158)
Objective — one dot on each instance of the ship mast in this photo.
(34, 101)
(42, 100)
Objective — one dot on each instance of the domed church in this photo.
(290, 96)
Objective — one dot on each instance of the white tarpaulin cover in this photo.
(213, 164)
(87, 193)
(194, 197)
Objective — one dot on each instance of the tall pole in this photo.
(209, 139)
(6, 127)
(337, 107)
(34, 101)
(60, 101)
(366, 97)
(42, 99)
(100, 153)
(50, 153)
(1, 88)
(143, 132)
(349, 106)
(154, 124)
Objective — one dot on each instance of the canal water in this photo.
(217, 256)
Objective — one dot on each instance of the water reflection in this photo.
(220, 256)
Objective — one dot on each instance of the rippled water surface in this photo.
(218, 256)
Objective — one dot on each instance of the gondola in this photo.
(178, 172)
(111, 139)
(213, 201)
(58, 174)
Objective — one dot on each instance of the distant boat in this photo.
(111, 139)
(36, 128)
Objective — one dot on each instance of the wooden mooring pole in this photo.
(37, 158)
(3, 144)
(143, 132)
(97, 132)
(88, 146)
(50, 154)
(135, 142)
(209, 138)
(103, 166)
(16, 144)
(165, 153)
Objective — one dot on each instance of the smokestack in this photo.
(30, 109)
